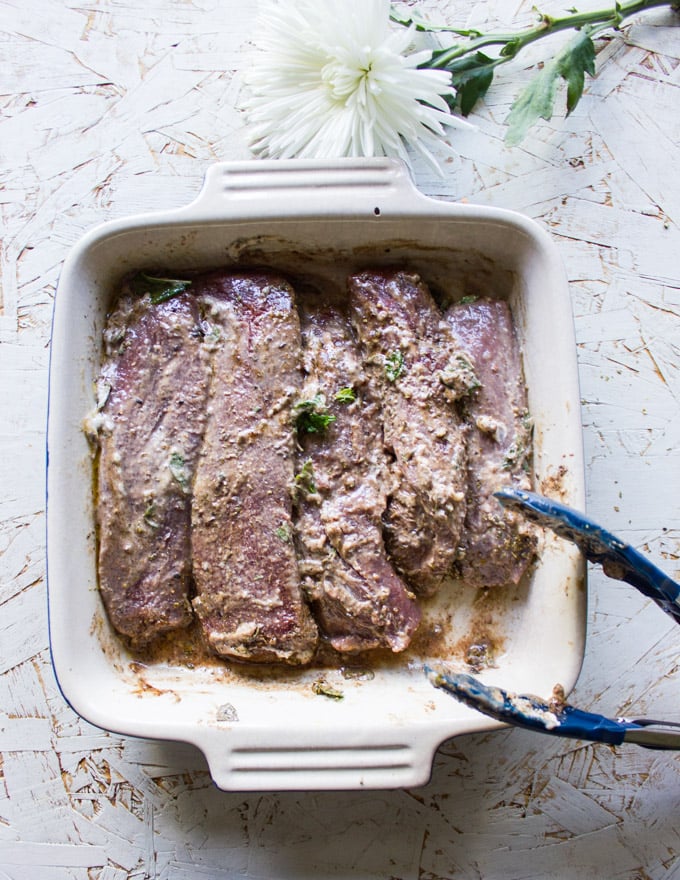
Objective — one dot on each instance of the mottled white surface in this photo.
(112, 107)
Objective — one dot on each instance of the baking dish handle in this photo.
(307, 759)
(262, 189)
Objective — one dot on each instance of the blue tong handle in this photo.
(532, 713)
(618, 559)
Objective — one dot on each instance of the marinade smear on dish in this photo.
(149, 428)
(249, 601)
(497, 544)
(416, 371)
(342, 482)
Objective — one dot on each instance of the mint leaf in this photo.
(304, 480)
(150, 515)
(312, 416)
(159, 289)
(323, 689)
(346, 395)
(394, 365)
(537, 100)
(283, 534)
(179, 471)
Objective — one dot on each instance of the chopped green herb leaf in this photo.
(213, 335)
(179, 472)
(459, 375)
(159, 289)
(346, 395)
(283, 534)
(466, 300)
(516, 456)
(304, 479)
(394, 365)
(323, 689)
(313, 416)
(150, 515)
(467, 373)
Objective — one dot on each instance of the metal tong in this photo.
(619, 561)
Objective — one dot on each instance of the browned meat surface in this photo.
(149, 431)
(497, 544)
(415, 369)
(358, 599)
(249, 599)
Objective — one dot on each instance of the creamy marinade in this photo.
(297, 472)
(496, 544)
(148, 429)
(358, 598)
(418, 373)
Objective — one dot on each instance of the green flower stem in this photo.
(513, 43)
(472, 71)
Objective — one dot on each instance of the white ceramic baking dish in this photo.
(275, 732)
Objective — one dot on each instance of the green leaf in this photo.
(179, 471)
(538, 99)
(304, 479)
(159, 289)
(394, 365)
(511, 48)
(283, 534)
(323, 689)
(574, 65)
(346, 395)
(150, 515)
(471, 77)
(425, 26)
(313, 416)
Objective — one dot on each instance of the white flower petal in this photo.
(333, 78)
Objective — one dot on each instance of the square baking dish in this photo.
(278, 731)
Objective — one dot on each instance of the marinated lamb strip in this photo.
(249, 599)
(154, 383)
(358, 600)
(414, 367)
(497, 544)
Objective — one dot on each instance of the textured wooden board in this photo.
(111, 108)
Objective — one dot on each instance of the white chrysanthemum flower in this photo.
(332, 78)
